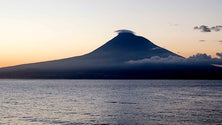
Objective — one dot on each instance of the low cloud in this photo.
(156, 48)
(157, 59)
(198, 58)
(217, 65)
(204, 28)
(219, 55)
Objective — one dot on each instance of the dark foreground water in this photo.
(110, 102)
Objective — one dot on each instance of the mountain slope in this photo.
(127, 46)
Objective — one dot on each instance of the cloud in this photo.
(156, 48)
(219, 55)
(204, 28)
(198, 58)
(202, 40)
(124, 31)
(217, 65)
(216, 28)
(173, 24)
(157, 59)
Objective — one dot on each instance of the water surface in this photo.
(111, 102)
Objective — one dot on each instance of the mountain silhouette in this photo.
(108, 61)
(127, 46)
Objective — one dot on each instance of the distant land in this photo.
(126, 56)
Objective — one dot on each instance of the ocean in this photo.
(110, 102)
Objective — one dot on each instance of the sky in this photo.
(41, 30)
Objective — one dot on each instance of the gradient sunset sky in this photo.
(41, 30)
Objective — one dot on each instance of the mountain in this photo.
(108, 61)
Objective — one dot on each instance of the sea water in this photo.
(111, 102)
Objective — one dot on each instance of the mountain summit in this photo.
(108, 62)
(127, 46)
